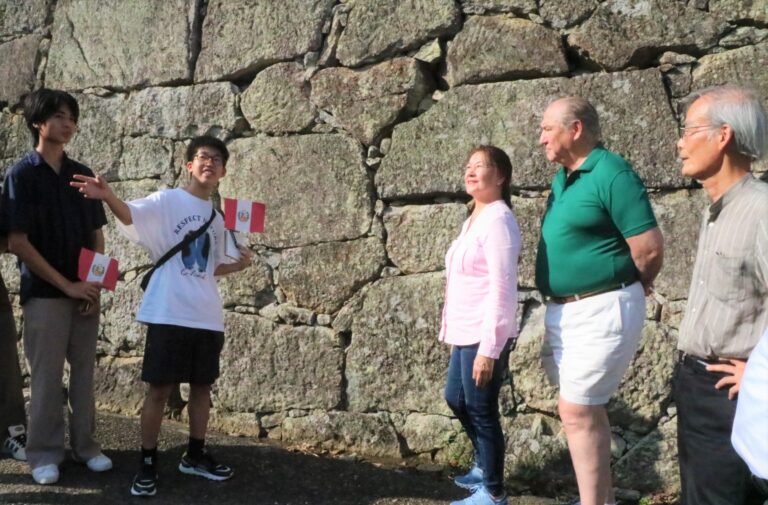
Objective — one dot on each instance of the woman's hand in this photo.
(482, 370)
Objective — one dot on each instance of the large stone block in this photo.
(418, 236)
(250, 288)
(425, 152)
(528, 212)
(483, 6)
(679, 215)
(15, 139)
(365, 102)
(566, 13)
(426, 433)
(746, 66)
(183, 112)
(536, 449)
(741, 10)
(647, 384)
(620, 33)
(396, 331)
(314, 186)
(379, 28)
(148, 158)
(369, 434)
(120, 44)
(122, 335)
(17, 18)
(243, 36)
(322, 277)
(530, 383)
(117, 385)
(266, 367)
(522, 49)
(17, 67)
(9, 271)
(99, 139)
(656, 454)
(277, 101)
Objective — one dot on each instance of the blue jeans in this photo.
(478, 411)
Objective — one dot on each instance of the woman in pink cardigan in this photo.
(479, 318)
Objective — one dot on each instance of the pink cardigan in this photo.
(481, 282)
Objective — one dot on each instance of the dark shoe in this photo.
(205, 466)
(145, 482)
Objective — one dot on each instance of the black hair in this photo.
(499, 160)
(207, 141)
(41, 105)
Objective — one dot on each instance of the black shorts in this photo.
(175, 354)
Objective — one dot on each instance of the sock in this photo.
(195, 447)
(149, 456)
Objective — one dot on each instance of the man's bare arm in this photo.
(647, 251)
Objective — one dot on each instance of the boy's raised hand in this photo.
(91, 187)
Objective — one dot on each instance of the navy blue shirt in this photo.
(57, 219)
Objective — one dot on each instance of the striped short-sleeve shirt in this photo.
(727, 309)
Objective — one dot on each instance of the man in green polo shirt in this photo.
(599, 252)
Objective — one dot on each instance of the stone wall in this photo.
(351, 120)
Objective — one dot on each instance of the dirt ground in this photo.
(264, 475)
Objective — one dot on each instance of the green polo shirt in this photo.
(588, 216)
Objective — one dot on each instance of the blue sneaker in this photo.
(481, 496)
(470, 480)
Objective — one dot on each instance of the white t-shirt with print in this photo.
(183, 291)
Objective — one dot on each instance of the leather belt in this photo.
(574, 298)
(694, 362)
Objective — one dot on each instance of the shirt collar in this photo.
(37, 160)
(594, 156)
(717, 207)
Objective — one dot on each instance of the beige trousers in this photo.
(54, 330)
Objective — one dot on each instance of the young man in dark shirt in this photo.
(48, 223)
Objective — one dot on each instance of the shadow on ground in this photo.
(263, 475)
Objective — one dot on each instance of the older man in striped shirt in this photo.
(724, 133)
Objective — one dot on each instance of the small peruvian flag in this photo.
(244, 215)
(95, 267)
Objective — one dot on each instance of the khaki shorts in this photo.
(589, 343)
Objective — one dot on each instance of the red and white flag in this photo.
(244, 215)
(95, 267)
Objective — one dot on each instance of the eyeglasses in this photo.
(685, 131)
(216, 160)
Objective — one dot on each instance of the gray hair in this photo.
(579, 109)
(739, 108)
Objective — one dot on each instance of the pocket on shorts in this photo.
(616, 323)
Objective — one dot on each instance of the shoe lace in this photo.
(19, 441)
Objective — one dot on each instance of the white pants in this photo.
(589, 343)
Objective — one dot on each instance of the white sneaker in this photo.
(46, 474)
(98, 463)
(16, 443)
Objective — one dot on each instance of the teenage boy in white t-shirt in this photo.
(181, 306)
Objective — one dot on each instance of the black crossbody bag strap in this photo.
(178, 247)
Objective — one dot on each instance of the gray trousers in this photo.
(54, 330)
(11, 396)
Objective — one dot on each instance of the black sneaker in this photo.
(145, 482)
(205, 466)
